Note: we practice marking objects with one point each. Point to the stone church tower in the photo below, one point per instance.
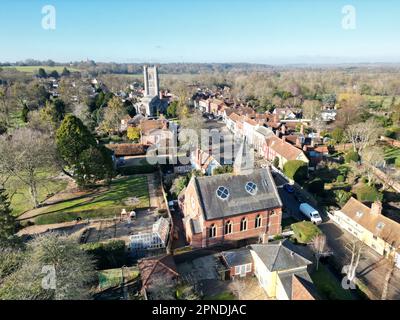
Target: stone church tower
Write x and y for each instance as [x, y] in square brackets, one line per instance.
[152, 104]
[151, 82]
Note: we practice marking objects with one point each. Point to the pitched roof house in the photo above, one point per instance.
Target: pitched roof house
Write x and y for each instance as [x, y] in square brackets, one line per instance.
[371, 227]
[204, 161]
[231, 207]
[279, 267]
[154, 269]
[284, 151]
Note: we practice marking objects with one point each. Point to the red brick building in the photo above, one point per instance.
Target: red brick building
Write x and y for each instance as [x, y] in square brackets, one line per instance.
[231, 207]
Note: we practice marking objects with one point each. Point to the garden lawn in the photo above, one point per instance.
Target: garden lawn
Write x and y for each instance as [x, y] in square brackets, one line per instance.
[328, 285]
[113, 277]
[391, 153]
[34, 69]
[105, 204]
[305, 231]
[21, 199]
[226, 295]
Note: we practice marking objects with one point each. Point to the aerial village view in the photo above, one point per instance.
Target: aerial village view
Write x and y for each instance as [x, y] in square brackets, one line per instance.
[192, 159]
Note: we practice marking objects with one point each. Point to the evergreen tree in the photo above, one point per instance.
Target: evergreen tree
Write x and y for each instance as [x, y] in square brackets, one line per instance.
[7, 221]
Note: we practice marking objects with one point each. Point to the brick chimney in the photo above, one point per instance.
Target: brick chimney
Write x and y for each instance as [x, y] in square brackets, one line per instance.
[284, 138]
[283, 129]
[376, 208]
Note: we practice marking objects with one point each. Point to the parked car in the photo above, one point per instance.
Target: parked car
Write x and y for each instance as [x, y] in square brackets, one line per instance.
[288, 187]
[310, 213]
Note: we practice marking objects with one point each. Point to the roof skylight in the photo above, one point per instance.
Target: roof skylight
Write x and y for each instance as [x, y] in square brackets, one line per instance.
[222, 192]
[251, 188]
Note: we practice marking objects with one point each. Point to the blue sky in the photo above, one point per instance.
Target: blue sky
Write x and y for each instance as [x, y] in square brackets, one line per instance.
[261, 31]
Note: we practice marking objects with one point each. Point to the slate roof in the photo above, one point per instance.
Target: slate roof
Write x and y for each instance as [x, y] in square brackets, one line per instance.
[288, 278]
[237, 257]
[278, 256]
[239, 200]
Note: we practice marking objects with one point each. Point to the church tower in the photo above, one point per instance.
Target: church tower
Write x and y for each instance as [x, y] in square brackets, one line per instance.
[151, 87]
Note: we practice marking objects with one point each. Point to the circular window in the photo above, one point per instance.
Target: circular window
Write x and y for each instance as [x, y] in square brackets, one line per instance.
[251, 188]
[222, 193]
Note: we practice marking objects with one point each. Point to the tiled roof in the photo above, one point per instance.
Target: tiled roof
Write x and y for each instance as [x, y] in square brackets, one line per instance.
[285, 149]
[156, 267]
[390, 230]
[127, 149]
[148, 125]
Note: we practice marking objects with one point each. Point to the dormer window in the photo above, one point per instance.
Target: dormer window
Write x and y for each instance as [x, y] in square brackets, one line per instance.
[359, 214]
[380, 225]
[251, 188]
[222, 193]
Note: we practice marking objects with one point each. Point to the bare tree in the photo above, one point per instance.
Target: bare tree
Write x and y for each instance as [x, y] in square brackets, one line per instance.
[24, 155]
[356, 248]
[320, 247]
[363, 134]
[161, 288]
[371, 157]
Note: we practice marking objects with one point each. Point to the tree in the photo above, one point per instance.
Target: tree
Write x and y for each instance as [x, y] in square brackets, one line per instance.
[276, 162]
[337, 135]
[54, 74]
[84, 160]
[320, 248]
[53, 112]
[172, 110]
[351, 156]
[341, 197]
[54, 268]
[24, 155]
[41, 73]
[372, 157]
[112, 116]
[363, 134]
[65, 72]
[356, 248]
[7, 220]
[222, 170]
[368, 193]
[133, 133]
[296, 170]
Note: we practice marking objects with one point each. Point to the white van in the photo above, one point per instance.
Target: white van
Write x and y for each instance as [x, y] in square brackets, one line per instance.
[310, 213]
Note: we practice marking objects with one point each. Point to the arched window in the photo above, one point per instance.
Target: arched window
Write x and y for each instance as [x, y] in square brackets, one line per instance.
[258, 221]
[212, 231]
[228, 227]
[243, 224]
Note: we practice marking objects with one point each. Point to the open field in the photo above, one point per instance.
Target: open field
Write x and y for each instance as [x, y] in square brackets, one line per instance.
[34, 69]
[101, 204]
[20, 196]
[328, 286]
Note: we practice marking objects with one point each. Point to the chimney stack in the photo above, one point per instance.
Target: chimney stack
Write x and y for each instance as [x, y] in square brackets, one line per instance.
[284, 138]
[376, 208]
[283, 129]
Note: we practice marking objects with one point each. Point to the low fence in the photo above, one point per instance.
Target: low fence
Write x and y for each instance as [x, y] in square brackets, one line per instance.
[392, 142]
